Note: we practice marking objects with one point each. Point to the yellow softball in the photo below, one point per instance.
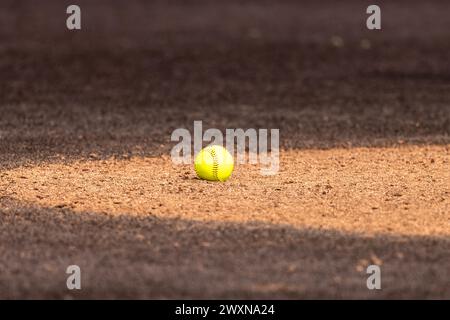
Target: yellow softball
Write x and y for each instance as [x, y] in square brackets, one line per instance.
[214, 163]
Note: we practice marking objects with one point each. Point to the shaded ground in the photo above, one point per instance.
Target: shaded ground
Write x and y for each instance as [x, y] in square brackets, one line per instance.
[85, 128]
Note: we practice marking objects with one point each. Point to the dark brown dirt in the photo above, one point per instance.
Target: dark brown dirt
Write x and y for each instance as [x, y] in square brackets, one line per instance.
[86, 177]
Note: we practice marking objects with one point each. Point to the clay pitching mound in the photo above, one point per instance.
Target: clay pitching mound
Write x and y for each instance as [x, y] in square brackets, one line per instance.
[85, 125]
[403, 191]
[144, 228]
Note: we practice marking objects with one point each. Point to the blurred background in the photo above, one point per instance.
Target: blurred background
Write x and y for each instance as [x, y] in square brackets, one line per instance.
[139, 69]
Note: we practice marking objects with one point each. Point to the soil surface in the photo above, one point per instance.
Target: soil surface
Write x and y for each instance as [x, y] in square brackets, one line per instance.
[86, 176]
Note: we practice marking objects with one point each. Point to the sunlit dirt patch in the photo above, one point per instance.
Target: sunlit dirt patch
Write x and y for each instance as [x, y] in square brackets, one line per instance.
[369, 190]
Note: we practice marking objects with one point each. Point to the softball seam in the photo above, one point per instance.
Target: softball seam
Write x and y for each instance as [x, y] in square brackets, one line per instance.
[215, 167]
